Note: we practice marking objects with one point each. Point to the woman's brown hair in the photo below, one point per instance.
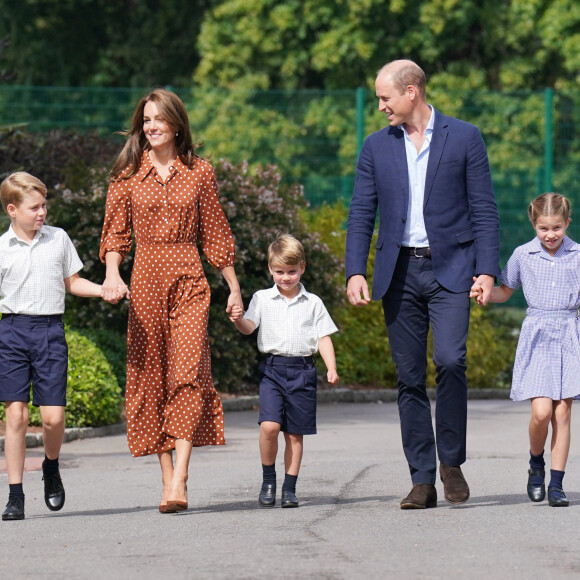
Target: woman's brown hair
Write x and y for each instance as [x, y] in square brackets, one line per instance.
[172, 110]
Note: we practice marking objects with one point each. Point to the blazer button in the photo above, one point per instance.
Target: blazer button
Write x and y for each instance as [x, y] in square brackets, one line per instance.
[403, 220]
[398, 245]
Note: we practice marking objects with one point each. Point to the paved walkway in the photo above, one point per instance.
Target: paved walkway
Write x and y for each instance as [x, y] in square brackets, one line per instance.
[349, 525]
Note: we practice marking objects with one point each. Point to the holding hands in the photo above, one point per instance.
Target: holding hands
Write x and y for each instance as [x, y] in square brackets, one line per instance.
[476, 292]
[483, 295]
[236, 312]
[482, 289]
[114, 289]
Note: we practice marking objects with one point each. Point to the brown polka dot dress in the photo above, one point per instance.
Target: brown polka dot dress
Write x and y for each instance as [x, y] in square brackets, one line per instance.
[170, 393]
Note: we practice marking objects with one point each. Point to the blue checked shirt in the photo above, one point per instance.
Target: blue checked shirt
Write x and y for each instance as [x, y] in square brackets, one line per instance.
[549, 283]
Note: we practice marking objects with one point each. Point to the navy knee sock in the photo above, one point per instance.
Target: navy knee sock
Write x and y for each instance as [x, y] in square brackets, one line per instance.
[537, 463]
[49, 466]
[556, 478]
[269, 473]
[16, 490]
[290, 483]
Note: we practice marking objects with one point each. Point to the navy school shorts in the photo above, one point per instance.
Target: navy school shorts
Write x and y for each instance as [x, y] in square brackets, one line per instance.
[33, 350]
[288, 393]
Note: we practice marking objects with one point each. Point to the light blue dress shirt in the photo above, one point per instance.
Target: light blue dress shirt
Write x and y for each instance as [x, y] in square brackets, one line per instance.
[415, 234]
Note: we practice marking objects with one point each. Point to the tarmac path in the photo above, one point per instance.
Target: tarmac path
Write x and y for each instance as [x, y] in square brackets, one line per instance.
[349, 524]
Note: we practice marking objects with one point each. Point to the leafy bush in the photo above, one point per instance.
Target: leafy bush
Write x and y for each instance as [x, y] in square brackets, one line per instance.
[113, 345]
[258, 206]
[93, 394]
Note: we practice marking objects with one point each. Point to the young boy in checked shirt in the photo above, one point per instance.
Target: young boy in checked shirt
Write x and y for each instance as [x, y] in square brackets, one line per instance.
[292, 326]
[38, 264]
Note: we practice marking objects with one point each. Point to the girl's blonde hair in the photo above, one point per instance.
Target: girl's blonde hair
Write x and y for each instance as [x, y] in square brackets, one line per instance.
[549, 204]
[18, 186]
[286, 250]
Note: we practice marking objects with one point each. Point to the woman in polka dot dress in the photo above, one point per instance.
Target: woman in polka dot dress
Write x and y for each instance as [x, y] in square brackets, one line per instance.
[166, 195]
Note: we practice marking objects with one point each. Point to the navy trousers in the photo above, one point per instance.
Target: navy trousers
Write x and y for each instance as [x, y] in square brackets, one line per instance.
[415, 301]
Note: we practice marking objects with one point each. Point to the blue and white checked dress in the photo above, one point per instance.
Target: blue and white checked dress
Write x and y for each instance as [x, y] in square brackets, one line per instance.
[548, 355]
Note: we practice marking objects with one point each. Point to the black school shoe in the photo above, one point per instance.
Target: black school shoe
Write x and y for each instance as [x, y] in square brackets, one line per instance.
[536, 492]
[289, 499]
[557, 497]
[267, 497]
[53, 491]
[14, 509]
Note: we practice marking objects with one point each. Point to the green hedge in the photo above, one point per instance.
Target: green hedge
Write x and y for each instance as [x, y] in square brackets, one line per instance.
[94, 397]
[258, 205]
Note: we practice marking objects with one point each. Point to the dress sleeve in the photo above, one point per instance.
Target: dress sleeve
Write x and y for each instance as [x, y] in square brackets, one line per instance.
[117, 229]
[215, 235]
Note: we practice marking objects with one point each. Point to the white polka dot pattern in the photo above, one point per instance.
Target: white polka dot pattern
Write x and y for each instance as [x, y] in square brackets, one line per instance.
[169, 393]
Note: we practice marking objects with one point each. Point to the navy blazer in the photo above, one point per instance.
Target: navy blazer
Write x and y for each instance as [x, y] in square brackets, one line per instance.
[459, 208]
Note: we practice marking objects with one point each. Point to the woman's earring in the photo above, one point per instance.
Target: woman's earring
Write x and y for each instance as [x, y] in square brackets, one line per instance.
[177, 133]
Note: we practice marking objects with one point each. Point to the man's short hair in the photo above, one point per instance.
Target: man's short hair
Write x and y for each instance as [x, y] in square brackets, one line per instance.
[404, 73]
[18, 186]
[286, 250]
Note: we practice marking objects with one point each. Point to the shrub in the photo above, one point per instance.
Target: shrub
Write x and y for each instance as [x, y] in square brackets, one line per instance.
[113, 345]
[93, 394]
[258, 206]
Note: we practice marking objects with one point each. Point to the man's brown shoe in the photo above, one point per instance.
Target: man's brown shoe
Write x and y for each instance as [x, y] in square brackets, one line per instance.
[423, 495]
[455, 487]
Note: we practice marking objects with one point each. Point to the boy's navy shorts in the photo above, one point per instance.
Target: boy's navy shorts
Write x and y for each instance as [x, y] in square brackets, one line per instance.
[33, 350]
[288, 393]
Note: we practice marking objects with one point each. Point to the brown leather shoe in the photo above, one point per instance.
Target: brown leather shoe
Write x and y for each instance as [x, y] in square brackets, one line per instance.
[455, 487]
[423, 495]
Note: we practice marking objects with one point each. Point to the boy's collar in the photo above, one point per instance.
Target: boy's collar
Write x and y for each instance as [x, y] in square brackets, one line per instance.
[14, 236]
[275, 292]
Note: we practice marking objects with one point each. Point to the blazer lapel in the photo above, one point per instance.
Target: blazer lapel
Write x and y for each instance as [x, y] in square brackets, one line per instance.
[438, 139]
[399, 156]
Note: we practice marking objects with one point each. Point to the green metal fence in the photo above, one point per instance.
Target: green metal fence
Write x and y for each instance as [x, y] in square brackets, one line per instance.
[314, 136]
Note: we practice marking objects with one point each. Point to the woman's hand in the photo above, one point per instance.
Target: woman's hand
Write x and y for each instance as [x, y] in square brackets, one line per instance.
[114, 288]
[235, 307]
[235, 297]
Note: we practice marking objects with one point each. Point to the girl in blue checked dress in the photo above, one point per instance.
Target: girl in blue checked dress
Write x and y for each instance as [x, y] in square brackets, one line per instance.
[547, 365]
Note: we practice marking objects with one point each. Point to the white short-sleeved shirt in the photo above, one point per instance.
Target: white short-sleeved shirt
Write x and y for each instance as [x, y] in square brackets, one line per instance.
[32, 274]
[289, 327]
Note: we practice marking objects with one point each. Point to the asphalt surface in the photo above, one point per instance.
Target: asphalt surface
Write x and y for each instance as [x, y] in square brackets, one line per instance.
[349, 524]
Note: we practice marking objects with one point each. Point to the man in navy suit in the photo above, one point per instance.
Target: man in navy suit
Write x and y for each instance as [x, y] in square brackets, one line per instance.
[428, 175]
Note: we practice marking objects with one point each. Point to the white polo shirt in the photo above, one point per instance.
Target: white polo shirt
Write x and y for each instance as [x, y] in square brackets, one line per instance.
[289, 327]
[32, 274]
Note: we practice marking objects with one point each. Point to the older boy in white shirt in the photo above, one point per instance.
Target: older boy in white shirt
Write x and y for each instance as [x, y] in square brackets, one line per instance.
[38, 264]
